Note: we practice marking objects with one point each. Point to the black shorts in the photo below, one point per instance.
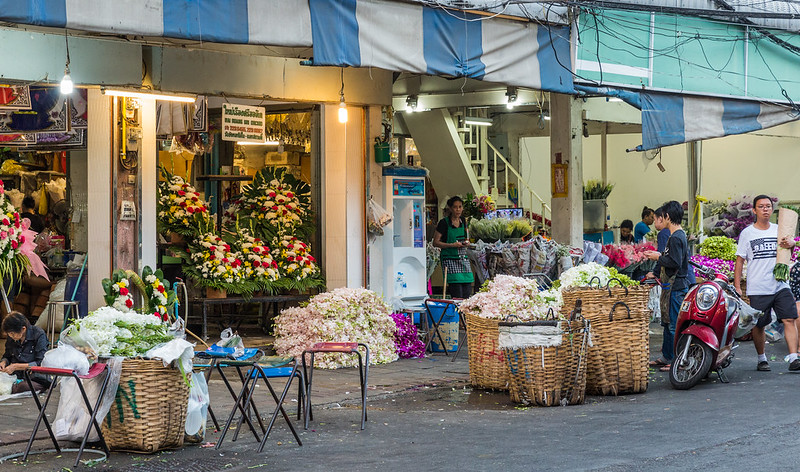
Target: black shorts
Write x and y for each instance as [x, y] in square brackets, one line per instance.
[782, 302]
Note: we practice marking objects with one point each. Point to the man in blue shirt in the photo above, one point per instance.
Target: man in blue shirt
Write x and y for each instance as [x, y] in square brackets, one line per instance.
[643, 227]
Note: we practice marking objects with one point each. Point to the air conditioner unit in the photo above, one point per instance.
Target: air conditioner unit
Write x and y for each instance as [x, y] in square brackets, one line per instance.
[286, 158]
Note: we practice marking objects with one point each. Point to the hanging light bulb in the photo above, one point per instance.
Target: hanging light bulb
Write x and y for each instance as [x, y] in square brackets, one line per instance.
[342, 110]
[66, 82]
[342, 105]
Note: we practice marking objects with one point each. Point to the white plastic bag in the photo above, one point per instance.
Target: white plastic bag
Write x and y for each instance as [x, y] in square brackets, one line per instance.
[6, 383]
[228, 339]
[72, 417]
[377, 218]
[66, 357]
[197, 409]
[83, 342]
[179, 349]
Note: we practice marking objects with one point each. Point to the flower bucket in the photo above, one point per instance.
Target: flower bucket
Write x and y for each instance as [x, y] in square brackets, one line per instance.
[175, 238]
[487, 362]
[216, 293]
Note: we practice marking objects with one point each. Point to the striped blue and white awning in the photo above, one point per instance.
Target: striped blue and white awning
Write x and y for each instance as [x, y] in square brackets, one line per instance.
[418, 39]
[669, 118]
[672, 119]
[257, 22]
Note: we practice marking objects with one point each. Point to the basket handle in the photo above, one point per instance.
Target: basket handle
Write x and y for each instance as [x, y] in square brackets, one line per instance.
[509, 317]
[599, 282]
[550, 314]
[614, 306]
[576, 311]
[608, 285]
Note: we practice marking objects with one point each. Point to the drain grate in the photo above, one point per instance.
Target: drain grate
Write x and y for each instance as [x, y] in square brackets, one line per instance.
[211, 464]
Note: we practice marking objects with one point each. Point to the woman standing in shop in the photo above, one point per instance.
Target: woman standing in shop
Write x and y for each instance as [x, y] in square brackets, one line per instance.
[452, 237]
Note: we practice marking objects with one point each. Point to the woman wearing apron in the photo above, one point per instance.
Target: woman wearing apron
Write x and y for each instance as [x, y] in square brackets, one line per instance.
[452, 237]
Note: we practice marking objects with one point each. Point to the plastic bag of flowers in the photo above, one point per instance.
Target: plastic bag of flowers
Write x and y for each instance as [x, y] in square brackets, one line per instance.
[341, 315]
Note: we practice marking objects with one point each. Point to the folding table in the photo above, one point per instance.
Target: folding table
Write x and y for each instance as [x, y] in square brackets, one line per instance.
[220, 358]
[433, 331]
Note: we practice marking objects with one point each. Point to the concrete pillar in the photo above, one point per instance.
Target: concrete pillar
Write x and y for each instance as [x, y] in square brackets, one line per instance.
[343, 190]
[99, 196]
[566, 135]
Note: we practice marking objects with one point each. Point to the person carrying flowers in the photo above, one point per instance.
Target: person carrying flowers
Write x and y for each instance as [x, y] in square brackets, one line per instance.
[451, 236]
[674, 264]
[758, 246]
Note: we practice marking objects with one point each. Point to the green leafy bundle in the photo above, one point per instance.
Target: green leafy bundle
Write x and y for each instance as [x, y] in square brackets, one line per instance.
[719, 247]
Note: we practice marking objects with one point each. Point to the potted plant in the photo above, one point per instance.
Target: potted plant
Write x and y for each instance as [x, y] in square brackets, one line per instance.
[595, 193]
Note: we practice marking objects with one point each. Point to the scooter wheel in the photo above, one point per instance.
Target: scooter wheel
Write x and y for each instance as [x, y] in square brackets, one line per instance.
[687, 371]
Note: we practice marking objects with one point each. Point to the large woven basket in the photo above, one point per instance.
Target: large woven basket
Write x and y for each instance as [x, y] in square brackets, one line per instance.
[552, 375]
[149, 411]
[487, 363]
[618, 360]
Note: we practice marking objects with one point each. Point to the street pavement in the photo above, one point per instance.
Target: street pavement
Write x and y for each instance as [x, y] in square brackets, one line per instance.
[424, 415]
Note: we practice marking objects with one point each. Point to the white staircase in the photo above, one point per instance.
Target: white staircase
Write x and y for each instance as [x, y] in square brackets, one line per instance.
[461, 159]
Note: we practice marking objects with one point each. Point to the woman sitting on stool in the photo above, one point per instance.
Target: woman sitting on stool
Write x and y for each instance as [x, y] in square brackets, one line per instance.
[25, 347]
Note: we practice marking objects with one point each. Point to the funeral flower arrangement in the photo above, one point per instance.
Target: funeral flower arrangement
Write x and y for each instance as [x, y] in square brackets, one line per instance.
[297, 266]
[258, 263]
[215, 264]
[111, 332]
[159, 299]
[180, 207]
[341, 315]
[118, 291]
[275, 203]
[507, 295]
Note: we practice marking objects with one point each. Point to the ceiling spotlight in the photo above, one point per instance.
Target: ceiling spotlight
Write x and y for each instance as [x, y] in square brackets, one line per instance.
[412, 103]
[511, 97]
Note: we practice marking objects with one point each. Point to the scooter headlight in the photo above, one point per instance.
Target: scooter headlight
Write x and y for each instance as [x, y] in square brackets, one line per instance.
[706, 297]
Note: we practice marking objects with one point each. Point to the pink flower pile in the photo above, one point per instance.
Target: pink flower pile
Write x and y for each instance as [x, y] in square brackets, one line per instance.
[341, 315]
[507, 295]
[623, 255]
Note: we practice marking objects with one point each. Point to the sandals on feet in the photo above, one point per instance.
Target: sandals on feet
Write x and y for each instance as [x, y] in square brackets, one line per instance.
[658, 362]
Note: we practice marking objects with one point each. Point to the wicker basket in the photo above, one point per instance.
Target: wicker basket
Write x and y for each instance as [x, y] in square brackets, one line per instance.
[149, 412]
[618, 360]
[487, 363]
[550, 375]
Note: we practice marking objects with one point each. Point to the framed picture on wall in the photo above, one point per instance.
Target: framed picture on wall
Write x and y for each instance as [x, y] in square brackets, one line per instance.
[560, 184]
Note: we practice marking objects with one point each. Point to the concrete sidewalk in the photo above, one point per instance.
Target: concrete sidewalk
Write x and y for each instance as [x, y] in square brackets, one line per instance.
[331, 389]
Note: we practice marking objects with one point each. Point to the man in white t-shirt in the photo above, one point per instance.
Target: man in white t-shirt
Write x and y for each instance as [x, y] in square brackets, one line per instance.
[758, 246]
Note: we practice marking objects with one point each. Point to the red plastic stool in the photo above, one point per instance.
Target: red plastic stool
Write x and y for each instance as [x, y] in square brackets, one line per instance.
[363, 371]
[96, 369]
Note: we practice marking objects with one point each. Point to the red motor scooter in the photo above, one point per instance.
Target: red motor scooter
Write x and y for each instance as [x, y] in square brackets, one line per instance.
[712, 315]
